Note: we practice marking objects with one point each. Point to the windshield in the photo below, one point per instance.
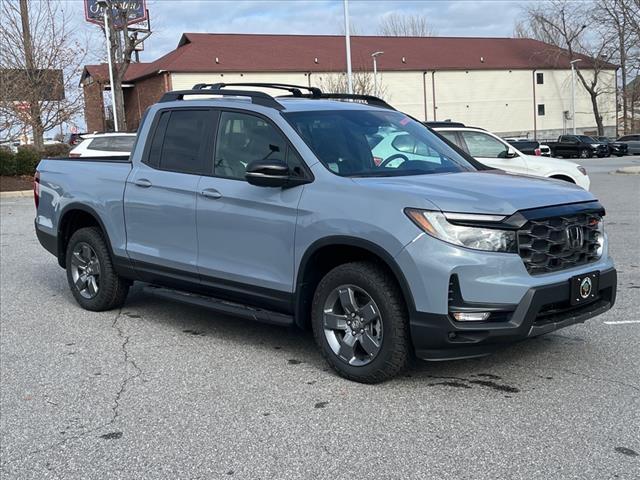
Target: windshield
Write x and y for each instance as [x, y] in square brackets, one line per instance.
[360, 143]
[587, 139]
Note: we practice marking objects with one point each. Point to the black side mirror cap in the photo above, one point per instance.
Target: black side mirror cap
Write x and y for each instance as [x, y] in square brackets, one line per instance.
[267, 173]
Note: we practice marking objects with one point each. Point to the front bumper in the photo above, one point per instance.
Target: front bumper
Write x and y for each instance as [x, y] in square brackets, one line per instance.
[543, 309]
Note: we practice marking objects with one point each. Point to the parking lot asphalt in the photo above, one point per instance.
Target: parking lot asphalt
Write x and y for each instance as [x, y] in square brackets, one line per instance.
[164, 390]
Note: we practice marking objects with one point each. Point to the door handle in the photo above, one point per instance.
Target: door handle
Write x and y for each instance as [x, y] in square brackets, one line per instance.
[211, 193]
[142, 182]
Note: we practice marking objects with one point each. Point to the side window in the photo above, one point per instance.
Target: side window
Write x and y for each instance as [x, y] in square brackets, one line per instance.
[155, 149]
[185, 141]
[244, 138]
[484, 146]
[452, 137]
[295, 162]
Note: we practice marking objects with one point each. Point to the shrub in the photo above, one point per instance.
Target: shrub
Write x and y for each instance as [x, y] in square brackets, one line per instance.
[56, 150]
[27, 160]
[7, 162]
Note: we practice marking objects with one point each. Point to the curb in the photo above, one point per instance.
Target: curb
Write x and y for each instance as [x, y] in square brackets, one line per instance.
[16, 194]
[635, 170]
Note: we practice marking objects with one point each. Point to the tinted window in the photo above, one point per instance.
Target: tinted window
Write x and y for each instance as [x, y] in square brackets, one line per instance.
[155, 149]
[361, 143]
[482, 145]
[451, 136]
[242, 139]
[185, 141]
[113, 143]
[587, 139]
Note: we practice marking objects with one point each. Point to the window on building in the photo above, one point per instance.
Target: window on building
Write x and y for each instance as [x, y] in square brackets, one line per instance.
[540, 78]
[185, 141]
[541, 109]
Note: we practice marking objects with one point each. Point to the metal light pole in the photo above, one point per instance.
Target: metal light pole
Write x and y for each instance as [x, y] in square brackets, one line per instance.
[375, 55]
[107, 31]
[348, 45]
[573, 92]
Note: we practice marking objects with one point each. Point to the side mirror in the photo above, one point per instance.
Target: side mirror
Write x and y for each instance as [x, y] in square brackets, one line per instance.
[509, 153]
[267, 173]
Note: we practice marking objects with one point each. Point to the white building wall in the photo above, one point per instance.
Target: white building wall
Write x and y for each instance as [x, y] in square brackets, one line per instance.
[501, 101]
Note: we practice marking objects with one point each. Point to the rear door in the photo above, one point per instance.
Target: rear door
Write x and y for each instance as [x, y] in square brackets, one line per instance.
[160, 194]
[246, 233]
[492, 152]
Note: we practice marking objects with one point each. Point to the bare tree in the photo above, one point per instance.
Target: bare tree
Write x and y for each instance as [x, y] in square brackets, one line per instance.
[620, 16]
[564, 27]
[123, 44]
[38, 41]
[397, 25]
[363, 83]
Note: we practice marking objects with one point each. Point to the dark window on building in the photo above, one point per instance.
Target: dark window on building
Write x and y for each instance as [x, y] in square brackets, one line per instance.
[185, 141]
[541, 109]
[539, 78]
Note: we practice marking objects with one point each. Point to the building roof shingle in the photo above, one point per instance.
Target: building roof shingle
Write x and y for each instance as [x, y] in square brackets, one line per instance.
[218, 52]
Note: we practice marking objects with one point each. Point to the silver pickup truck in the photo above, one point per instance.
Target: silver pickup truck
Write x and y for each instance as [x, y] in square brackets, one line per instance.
[286, 210]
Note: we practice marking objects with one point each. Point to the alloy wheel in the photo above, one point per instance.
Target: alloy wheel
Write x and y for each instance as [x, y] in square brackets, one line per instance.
[352, 325]
[85, 270]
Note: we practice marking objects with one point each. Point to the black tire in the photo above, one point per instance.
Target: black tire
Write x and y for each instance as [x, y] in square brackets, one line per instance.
[584, 153]
[395, 351]
[113, 289]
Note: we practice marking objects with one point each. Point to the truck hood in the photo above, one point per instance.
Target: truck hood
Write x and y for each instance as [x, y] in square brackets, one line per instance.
[490, 191]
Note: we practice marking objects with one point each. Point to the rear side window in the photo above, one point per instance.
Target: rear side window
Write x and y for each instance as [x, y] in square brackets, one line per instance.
[481, 145]
[181, 140]
[451, 136]
[113, 143]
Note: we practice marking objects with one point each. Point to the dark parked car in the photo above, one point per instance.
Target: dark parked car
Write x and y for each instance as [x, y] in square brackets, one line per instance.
[615, 148]
[529, 147]
[633, 143]
[581, 146]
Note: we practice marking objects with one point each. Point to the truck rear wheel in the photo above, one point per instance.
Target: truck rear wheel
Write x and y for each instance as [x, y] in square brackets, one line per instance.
[584, 153]
[360, 322]
[93, 281]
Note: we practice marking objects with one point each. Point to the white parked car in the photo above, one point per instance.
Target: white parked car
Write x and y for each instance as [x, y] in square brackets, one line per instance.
[493, 151]
[104, 145]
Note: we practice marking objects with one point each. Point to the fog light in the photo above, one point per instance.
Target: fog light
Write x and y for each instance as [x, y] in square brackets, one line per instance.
[471, 316]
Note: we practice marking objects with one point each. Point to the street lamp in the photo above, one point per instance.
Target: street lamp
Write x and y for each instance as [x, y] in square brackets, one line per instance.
[375, 56]
[107, 31]
[347, 38]
[573, 92]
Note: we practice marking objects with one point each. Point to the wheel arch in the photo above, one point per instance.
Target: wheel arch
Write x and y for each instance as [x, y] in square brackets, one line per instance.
[73, 217]
[562, 176]
[325, 254]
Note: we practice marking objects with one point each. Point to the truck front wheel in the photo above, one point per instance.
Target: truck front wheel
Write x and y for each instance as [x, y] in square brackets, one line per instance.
[585, 153]
[93, 281]
[360, 322]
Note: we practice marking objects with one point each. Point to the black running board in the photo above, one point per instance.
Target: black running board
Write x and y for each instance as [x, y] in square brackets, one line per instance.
[223, 306]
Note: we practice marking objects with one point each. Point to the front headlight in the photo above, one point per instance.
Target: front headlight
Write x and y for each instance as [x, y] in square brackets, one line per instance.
[483, 237]
[601, 234]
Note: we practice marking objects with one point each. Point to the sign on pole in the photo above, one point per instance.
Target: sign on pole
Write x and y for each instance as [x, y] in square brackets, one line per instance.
[136, 12]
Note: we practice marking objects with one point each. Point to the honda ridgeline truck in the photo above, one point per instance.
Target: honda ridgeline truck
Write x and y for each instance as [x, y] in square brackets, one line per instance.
[275, 208]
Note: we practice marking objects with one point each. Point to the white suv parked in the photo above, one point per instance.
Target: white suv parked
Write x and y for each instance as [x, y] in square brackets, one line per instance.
[493, 151]
[104, 145]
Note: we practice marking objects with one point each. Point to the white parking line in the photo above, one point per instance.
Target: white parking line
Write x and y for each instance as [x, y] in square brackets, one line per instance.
[622, 322]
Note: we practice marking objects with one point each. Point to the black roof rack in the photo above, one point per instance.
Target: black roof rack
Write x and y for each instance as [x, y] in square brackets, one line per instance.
[443, 124]
[295, 90]
[259, 98]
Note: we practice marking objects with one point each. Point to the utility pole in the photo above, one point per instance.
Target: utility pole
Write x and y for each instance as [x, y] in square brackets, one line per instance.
[347, 38]
[34, 106]
[107, 31]
[573, 92]
[375, 55]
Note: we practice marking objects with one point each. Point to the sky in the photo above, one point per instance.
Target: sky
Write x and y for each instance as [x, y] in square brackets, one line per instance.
[170, 18]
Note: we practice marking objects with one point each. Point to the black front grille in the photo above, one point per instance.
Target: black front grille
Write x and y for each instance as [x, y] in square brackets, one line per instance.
[544, 244]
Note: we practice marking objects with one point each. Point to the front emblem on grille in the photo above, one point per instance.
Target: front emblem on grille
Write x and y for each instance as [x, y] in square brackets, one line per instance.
[575, 237]
[585, 287]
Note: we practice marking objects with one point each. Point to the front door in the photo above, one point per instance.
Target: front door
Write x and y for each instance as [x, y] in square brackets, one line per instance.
[492, 152]
[160, 195]
[246, 233]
